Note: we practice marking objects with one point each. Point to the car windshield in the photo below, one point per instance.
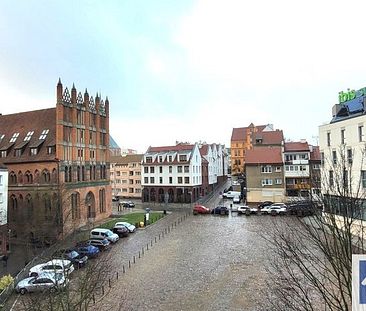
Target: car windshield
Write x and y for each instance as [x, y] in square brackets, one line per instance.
[105, 242]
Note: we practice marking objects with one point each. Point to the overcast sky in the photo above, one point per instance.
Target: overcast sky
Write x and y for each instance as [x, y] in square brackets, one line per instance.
[186, 70]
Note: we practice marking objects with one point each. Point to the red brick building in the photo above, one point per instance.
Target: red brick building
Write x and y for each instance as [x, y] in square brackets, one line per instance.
[58, 164]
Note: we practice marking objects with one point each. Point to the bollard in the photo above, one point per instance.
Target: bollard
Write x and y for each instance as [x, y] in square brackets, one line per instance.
[142, 250]
[134, 259]
[159, 236]
[123, 269]
[93, 298]
[129, 264]
[155, 239]
[103, 290]
[147, 246]
[139, 255]
[151, 243]
[109, 283]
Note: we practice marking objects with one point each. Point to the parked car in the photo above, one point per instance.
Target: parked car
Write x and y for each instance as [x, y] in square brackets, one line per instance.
[131, 228]
[103, 245]
[63, 266]
[87, 250]
[44, 281]
[220, 210]
[200, 209]
[231, 194]
[128, 204]
[264, 204]
[302, 209]
[275, 209]
[102, 233]
[236, 199]
[122, 231]
[77, 260]
[244, 209]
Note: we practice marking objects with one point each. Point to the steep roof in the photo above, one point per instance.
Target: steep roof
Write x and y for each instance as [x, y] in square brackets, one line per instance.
[25, 123]
[129, 158]
[266, 155]
[179, 147]
[296, 146]
[240, 133]
[315, 153]
[204, 150]
[269, 137]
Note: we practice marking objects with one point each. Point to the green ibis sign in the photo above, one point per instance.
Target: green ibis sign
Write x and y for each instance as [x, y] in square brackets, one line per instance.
[351, 94]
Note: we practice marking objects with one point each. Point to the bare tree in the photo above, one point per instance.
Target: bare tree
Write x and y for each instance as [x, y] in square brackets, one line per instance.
[312, 262]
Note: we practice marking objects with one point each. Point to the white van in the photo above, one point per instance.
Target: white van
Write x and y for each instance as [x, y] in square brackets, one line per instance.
[101, 233]
[231, 194]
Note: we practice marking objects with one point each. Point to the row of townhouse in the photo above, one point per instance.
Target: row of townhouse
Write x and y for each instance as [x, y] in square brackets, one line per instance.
[55, 164]
[182, 173]
[343, 150]
[281, 173]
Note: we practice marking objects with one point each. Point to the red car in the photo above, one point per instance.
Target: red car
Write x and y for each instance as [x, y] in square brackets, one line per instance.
[200, 209]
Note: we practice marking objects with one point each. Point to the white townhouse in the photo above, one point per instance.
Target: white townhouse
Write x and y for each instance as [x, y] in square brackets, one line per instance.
[172, 174]
[342, 145]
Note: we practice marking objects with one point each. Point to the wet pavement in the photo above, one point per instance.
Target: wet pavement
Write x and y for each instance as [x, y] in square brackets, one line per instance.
[205, 262]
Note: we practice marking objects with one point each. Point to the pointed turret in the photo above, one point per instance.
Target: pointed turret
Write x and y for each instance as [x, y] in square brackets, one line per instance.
[59, 91]
[73, 94]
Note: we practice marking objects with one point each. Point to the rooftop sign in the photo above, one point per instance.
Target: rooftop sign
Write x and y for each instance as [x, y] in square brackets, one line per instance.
[351, 94]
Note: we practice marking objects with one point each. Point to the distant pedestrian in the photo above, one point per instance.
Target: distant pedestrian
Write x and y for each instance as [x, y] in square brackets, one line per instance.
[5, 261]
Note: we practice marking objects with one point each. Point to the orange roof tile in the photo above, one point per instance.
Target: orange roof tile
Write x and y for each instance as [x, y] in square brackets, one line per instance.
[265, 155]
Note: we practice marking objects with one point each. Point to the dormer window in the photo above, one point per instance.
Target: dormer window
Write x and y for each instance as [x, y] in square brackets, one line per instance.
[183, 157]
[18, 152]
[33, 151]
[3, 153]
[28, 136]
[160, 159]
[44, 134]
[170, 158]
[14, 137]
[148, 159]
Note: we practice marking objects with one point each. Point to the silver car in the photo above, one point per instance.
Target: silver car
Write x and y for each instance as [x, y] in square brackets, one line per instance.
[44, 281]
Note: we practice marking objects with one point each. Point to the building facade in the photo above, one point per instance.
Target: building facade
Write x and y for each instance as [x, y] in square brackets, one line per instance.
[58, 164]
[342, 145]
[4, 233]
[265, 175]
[172, 174]
[126, 176]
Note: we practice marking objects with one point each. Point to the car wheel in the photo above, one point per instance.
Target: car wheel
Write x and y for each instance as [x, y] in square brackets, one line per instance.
[22, 291]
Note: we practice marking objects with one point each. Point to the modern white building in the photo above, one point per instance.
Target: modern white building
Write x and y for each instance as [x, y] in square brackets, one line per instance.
[171, 174]
[342, 145]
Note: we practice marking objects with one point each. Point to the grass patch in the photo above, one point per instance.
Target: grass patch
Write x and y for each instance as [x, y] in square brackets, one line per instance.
[132, 218]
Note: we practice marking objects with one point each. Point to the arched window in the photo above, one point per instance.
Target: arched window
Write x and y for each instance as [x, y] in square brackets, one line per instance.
[29, 205]
[66, 177]
[47, 207]
[83, 173]
[78, 173]
[46, 176]
[28, 177]
[20, 177]
[12, 178]
[54, 176]
[36, 176]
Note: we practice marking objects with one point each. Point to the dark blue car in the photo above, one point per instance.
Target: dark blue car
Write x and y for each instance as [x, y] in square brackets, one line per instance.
[88, 250]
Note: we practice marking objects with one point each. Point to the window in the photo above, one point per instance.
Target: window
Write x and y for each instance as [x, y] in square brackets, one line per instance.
[180, 180]
[28, 136]
[278, 168]
[160, 159]
[186, 180]
[278, 181]
[130, 173]
[3, 153]
[349, 156]
[18, 152]
[170, 169]
[186, 169]
[182, 157]
[360, 133]
[170, 158]
[146, 180]
[146, 170]
[342, 136]
[328, 139]
[160, 180]
[331, 178]
[363, 179]
[131, 181]
[302, 168]
[179, 169]
[334, 156]
[322, 158]
[170, 180]
[152, 169]
[14, 137]
[33, 151]
[266, 182]
[51, 149]
[266, 169]
[160, 169]
[44, 134]
[148, 159]
[316, 166]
